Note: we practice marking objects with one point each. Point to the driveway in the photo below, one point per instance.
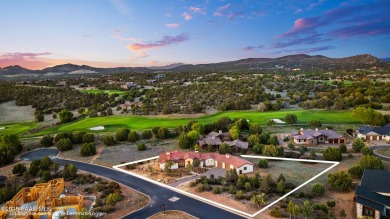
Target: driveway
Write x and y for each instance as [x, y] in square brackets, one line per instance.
[379, 147]
[215, 171]
[158, 195]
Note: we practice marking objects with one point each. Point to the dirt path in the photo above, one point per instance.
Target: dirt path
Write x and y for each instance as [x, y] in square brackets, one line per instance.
[99, 152]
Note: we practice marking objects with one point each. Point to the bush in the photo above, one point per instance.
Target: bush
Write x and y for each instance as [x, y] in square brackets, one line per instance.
[141, 147]
[216, 190]
[133, 136]
[332, 154]
[371, 162]
[88, 138]
[263, 163]
[257, 148]
[46, 176]
[87, 149]
[239, 194]
[47, 141]
[113, 198]
[65, 116]
[62, 135]
[356, 171]
[108, 140]
[225, 149]
[19, 169]
[317, 189]
[147, 134]
[357, 145]
[343, 148]
[163, 133]
[275, 212]
[340, 181]
[121, 134]
[270, 151]
[366, 150]
[69, 172]
[291, 146]
[290, 119]
[64, 144]
[77, 137]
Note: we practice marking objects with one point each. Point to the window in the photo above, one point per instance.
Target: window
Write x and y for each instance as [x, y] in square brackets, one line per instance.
[244, 168]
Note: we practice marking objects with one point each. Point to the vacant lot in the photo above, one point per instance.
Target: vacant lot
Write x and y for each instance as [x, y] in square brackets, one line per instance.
[10, 113]
[113, 123]
[172, 215]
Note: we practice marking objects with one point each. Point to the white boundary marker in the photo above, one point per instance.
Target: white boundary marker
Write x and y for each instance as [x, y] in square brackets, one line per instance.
[233, 210]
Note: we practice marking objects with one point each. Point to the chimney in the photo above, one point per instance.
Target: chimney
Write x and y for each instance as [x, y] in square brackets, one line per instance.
[220, 132]
[326, 128]
[212, 137]
[227, 155]
[167, 153]
[301, 129]
[316, 129]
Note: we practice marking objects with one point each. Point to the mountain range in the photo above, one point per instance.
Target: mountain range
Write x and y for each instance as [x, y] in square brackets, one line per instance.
[301, 61]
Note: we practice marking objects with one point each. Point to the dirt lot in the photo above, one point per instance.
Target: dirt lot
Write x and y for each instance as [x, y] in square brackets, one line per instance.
[10, 113]
[127, 152]
[172, 215]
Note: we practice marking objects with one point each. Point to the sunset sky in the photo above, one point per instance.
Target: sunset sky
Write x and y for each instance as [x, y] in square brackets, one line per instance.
[109, 33]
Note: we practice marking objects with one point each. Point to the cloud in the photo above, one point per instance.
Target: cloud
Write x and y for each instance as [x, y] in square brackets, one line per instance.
[259, 13]
[27, 60]
[221, 10]
[302, 26]
[298, 11]
[372, 28]
[138, 57]
[117, 34]
[310, 39]
[305, 51]
[197, 10]
[165, 41]
[187, 16]
[248, 48]
[172, 25]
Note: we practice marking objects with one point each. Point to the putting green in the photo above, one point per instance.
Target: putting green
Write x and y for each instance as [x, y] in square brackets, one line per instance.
[16, 128]
[113, 123]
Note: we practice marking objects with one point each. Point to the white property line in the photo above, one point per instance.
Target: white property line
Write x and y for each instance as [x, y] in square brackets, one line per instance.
[233, 210]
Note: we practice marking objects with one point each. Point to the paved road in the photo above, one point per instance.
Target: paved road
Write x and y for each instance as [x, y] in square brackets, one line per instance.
[158, 195]
[378, 147]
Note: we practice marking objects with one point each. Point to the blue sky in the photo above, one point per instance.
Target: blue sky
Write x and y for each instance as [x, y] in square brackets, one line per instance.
[108, 33]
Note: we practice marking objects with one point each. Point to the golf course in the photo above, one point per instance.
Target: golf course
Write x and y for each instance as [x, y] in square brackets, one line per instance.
[112, 123]
[17, 128]
[109, 92]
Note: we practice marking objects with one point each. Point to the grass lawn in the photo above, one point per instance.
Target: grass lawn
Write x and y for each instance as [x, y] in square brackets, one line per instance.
[16, 128]
[109, 92]
[113, 123]
[346, 82]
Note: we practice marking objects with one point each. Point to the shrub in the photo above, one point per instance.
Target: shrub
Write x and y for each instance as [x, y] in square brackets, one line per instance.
[200, 188]
[64, 144]
[239, 194]
[77, 137]
[357, 145]
[317, 189]
[46, 176]
[65, 116]
[270, 151]
[343, 148]
[290, 119]
[141, 147]
[340, 181]
[19, 169]
[69, 172]
[275, 212]
[263, 163]
[356, 171]
[47, 141]
[87, 149]
[371, 162]
[147, 134]
[108, 140]
[113, 198]
[88, 138]
[342, 213]
[257, 148]
[121, 134]
[62, 135]
[163, 133]
[332, 154]
[133, 136]
[366, 150]
[225, 149]
[291, 146]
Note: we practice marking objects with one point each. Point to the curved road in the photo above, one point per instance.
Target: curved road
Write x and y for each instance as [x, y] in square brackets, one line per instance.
[379, 147]
[158, 195]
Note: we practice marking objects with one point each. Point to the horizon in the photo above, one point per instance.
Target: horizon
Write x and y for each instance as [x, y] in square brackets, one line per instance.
[187, 63]
[117, 33]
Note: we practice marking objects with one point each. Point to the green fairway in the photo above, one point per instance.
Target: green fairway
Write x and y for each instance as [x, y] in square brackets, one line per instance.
[113, 123]
[16, 128]
[109, 92]
[346, 82]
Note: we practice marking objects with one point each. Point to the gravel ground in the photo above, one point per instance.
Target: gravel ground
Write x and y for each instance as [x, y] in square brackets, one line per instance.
[127, 152]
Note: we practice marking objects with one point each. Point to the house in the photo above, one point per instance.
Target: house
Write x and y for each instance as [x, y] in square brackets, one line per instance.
[225, 136]
[159, 76]
[372, 195]
[238, 145]
[314, 137]
[182, 159]
[130, 85]
[213, 141]
[374, 133]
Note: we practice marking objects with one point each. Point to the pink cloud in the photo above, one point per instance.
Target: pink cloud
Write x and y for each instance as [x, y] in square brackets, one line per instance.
[303, 25]
[166, 41]
[27, 60]
[197, 10]
[118, 35]
[221, 10]
[187, 16]
[172, 25]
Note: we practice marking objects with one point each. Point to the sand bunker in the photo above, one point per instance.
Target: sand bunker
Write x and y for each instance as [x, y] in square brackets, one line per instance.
[278, 121]
[97, 128]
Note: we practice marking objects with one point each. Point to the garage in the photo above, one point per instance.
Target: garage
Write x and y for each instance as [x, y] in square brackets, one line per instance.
[342, 141]
[219, 164]
[336, 141]
[227, 166]
[330, 141]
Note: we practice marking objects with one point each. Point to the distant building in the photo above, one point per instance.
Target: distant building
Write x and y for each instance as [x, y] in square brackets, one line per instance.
[159, 76]
[130, 85]
[374, 133]
[372, 195]
[182, 159]
[314, 137]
